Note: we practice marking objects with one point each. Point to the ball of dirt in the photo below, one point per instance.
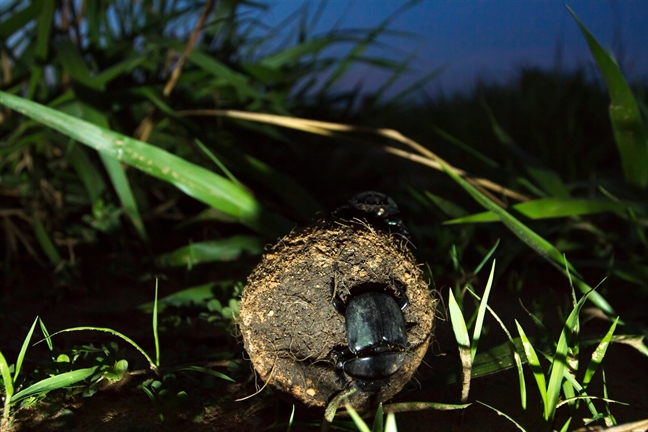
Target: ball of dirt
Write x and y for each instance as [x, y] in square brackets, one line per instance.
[291, 329]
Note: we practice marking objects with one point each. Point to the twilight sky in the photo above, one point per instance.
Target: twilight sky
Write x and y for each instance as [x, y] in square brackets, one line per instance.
[488, 39]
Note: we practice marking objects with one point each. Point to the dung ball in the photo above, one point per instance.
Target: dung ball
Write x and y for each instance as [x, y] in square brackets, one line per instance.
[292, 330]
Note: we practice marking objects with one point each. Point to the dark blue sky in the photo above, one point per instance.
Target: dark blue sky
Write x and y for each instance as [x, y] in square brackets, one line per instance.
[490, 39]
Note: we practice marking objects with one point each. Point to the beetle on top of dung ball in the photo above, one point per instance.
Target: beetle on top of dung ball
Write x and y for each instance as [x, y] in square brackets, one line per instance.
[377, 209]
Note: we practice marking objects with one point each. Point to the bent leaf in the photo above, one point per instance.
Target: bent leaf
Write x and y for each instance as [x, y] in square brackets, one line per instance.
[629, 130]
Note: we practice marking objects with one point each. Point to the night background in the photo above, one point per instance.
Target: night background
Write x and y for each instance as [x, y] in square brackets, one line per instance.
[165, 147]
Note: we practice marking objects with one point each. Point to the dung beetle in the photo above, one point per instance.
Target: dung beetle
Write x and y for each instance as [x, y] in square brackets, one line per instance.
[376, 335]
[376, 208]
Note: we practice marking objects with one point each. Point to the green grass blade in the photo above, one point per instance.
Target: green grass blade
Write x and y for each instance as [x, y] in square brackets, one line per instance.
[124, 191]
[465, 147]
[208, 372]
[209, 251]
[378, 425]
[448, 207]
[54, 383]
[219, 70]
[155, 326]
[23, 350]
[536, 368]
[86, 170]
[629, 129]
[559, 362]
[479, 322]
[194, 180]
[547, 208]
[598, 354]
[68, 54]
[463, 343]
[18, 20]
[113, 332]
[194, 295]
[44, 26]
[7, 381]
[360, 424]
[509, 418]
[390, 424]
[218, 163]
[46, 242]
[486, 258]
[546, 178]
[48, 340]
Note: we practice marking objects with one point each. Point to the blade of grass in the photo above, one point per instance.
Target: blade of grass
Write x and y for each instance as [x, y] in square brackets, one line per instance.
[422, 406]
[208, 372]
[54, 383]
[46, 334]
[629, 129]
[559, 362]
[229, 249]
[194, 180]
[534, 365]
[598, 354]
[7, 381]
[23, 350]
[509, 418]
[44, 26]
[480, 315]
[378, 425]
[546, 208]
[463, 343]
[360, 424]
[46, 242]
[155, 326]
[545, 177]
[86, 170]
[152, 364]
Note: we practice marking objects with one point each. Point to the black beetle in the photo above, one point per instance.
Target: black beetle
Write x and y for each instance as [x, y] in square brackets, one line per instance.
[376, 208]
[376, 336]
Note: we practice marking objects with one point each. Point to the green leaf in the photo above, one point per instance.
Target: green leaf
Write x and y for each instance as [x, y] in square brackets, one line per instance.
[629, 128]
[546, 208]
[545, 177]
[463, 342]
[86, 170]
[46, 242]
[23, 350]
[192, 179]
[480, 315]
[194, 295]
[598, 354]
[559, 362]
[54, 383]
[18, 20]
[209, 251]
[208, 372]
[5, 372]
[44, 26]
[536, 367]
